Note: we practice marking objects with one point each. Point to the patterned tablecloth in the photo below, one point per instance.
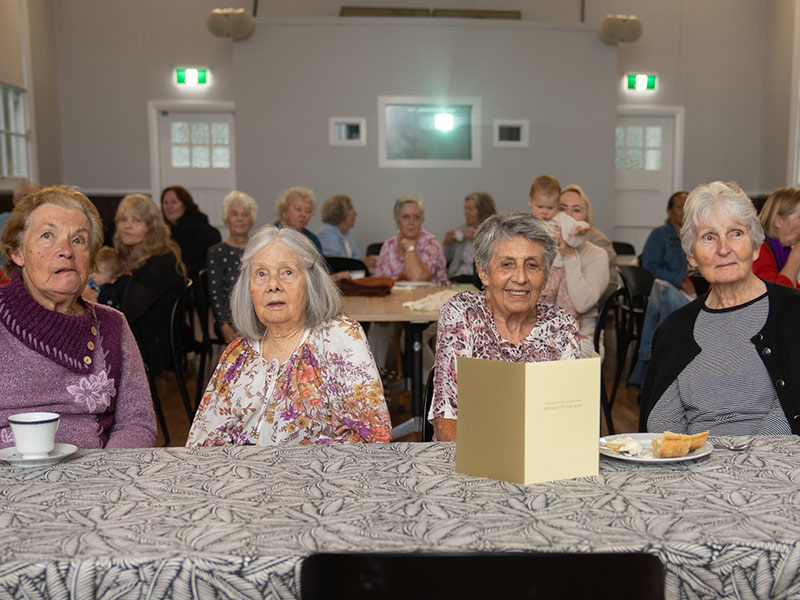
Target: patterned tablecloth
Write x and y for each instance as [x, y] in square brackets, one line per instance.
[237, 521]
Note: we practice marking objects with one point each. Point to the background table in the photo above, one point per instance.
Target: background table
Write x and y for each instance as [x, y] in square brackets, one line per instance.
[237, 521]
[390, 309]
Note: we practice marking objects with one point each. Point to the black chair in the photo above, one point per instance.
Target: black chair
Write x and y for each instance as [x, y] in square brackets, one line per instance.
[159, 410]
[177, 322]
[624, 248]
[200, 297]
[337, 264]
[638, 282]
[427, 427]
[374, 249]
[615, 296]
[433, 576]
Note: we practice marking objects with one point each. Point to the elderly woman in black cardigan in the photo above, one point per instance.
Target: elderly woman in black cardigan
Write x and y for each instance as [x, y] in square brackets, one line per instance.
[727, 362]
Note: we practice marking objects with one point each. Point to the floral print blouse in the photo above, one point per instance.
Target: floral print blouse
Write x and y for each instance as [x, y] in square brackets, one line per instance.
[430, 252]
[327, 391]
[466, 328]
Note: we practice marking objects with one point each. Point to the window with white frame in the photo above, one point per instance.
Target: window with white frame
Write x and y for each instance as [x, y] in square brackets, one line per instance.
[14, 134]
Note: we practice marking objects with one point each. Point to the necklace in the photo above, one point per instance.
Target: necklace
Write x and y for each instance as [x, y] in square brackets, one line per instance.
[297, 336]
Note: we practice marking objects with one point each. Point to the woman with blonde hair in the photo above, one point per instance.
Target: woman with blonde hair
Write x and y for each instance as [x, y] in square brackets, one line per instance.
[779, 256]
[295, 207]
[575, 203]
[154, 276]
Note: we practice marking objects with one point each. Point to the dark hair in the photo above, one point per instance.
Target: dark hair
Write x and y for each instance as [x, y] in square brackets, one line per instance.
[671, 201]
[183, 195]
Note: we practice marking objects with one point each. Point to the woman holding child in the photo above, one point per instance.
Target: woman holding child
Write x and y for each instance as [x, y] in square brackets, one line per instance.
[61, 353]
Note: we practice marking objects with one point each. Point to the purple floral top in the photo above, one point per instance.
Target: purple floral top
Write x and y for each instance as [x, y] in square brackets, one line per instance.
[430, 252]
[466, 328]
[327, 391]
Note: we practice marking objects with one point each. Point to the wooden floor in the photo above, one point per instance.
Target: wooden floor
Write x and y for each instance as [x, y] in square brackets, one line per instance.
[625, 412]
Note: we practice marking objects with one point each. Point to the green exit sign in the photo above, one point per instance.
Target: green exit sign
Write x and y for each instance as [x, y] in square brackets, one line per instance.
[191, 76]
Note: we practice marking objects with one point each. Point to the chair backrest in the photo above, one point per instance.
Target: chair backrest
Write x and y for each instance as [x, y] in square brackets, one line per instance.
[337, 264]
[624, 248]
[200, 299]
[428, 575]
[427, 428]
[374, 248]
[614, 296]
[638, 281]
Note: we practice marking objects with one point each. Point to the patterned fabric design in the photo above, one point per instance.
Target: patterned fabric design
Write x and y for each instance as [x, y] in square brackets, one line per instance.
[466, 328]
[236, 522]
[328, 391]
[430, 252]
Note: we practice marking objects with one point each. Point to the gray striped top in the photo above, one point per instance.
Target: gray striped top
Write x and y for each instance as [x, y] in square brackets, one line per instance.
[725, 388]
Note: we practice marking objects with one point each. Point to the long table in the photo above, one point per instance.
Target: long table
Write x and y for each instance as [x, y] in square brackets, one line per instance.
[237, 521]
[390, 309]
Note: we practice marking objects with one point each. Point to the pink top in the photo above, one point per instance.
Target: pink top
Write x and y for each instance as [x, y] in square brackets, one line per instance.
[466, 328]
[429, 250]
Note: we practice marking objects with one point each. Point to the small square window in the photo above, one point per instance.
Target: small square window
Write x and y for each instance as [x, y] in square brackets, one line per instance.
[347, 131]
[510, 133]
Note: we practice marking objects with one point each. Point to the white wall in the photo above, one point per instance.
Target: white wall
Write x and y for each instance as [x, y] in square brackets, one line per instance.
[519, 70]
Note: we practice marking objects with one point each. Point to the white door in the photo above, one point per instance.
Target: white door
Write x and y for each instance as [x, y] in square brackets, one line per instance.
[645, 157]
[196, 150]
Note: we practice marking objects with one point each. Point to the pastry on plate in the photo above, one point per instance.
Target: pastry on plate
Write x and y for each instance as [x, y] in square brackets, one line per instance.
[675, 445]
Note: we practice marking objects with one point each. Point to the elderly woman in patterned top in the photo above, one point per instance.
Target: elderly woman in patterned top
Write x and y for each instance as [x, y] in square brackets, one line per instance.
[61, 353]
[239, 212]
[726, 362]
[513, 255]
[303, 372]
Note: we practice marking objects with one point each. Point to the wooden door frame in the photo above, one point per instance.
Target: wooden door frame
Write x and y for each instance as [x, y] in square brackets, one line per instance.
[156, 106]
[676, 112]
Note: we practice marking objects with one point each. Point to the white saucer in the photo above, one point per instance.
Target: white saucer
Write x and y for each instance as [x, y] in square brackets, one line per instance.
[57, 454]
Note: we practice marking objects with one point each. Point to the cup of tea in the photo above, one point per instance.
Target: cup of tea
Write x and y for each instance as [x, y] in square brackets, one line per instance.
[34, 433]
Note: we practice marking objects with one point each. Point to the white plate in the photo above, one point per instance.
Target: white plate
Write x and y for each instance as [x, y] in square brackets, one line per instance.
[57, 454]
[645, 440]
[405, 284]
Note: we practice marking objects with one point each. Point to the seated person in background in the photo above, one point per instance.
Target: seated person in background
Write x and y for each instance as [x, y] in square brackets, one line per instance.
[458, 249]
[22, 190]
[303, 373]
[506, 321]
[726, 362]
[295, 207]
[154, 276]
[662, 254]
[413, 252]
[779, 256]
[189, 228]
[575, 203]
[60, 353]
[338, 218]
[579, 274]
[108, 267]
[239, 213]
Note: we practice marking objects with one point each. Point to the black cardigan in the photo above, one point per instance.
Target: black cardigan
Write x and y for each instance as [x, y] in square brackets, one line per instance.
[777, 344]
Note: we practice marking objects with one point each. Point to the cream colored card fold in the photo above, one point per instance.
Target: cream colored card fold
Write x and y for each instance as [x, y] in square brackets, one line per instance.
[528, 422]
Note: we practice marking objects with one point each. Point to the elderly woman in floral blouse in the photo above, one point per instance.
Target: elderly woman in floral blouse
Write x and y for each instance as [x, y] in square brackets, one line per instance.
[513, 255]
[303, 372]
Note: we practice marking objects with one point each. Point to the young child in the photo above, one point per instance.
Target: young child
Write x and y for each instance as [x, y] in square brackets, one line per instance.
[108, 268]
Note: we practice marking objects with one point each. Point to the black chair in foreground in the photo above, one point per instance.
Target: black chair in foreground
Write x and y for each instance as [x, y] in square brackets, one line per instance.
[615, 296]
[624, 248]
[434, 576]
[374, 249]
[177, 321]
[427, 427]
[200, 297]
[638, 282]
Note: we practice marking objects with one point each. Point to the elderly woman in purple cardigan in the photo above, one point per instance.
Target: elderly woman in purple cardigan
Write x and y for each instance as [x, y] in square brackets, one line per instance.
[60, 353]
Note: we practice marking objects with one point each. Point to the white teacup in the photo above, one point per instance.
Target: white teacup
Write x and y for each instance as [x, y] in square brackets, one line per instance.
[358, 274]
[34, 433]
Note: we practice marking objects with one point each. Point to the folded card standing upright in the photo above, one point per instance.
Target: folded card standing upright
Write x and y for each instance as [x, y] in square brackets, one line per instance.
[528, 422]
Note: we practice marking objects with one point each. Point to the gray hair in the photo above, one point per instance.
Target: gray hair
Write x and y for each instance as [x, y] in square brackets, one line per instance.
[323, 299]
[246, 200]
[506, 226]
[410, 199]
[717, 195]
[302, 194]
